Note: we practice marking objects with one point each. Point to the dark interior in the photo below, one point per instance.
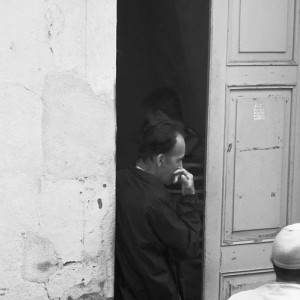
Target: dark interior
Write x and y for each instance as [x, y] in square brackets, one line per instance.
[159, 44]
[163, 43]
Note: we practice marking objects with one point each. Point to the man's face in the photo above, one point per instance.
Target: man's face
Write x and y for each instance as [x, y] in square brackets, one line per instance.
[172, 161]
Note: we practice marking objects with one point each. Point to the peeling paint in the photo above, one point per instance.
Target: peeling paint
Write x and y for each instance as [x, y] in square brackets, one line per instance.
[45, 266]
[56, 20]
[99, 203]
[261, 149]
[91, 296]
[229, 147]
[39, 258]
[71, 263]
[92, 290]
[12, 46]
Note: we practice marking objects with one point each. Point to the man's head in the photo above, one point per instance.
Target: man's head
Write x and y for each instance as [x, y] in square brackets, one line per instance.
[162, 148]
[286, 254]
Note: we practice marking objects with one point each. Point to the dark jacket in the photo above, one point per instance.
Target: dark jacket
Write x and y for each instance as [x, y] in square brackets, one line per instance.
[152, 234]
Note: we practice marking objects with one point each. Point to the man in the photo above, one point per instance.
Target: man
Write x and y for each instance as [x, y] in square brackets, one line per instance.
[286, 263]
[164, 103]
[152, 232]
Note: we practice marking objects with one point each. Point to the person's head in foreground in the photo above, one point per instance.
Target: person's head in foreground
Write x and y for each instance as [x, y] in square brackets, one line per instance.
[286, 254]
[286, 262]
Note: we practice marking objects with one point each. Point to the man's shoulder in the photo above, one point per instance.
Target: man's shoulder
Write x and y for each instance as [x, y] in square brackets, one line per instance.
[124, 173]
[287, 290]
[252, 294]
[245, 295]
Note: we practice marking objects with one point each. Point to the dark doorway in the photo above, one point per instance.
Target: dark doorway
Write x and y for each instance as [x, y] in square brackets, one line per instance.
[164, 43]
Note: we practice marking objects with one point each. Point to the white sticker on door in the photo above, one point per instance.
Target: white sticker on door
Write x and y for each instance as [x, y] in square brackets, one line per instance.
[259, 112]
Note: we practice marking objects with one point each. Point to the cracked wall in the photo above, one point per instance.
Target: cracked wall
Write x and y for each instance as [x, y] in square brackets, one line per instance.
[57, 149]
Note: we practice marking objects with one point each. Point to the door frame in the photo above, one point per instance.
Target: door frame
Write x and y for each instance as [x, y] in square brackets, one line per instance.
[214, 145]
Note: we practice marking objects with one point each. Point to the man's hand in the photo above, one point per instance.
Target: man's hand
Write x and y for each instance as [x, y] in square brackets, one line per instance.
[186, 179]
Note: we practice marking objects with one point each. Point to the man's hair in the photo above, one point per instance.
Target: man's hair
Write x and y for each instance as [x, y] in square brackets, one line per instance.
[287, 275]
[158, 136]
[163, 100]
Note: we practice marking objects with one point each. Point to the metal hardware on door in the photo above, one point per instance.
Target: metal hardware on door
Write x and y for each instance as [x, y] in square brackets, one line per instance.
[229, 147]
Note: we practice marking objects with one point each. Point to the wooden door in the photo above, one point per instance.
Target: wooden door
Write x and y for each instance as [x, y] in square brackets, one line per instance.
[253, 140]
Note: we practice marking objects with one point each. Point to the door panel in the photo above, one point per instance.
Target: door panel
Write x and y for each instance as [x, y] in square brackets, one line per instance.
[261, 31]
[258, 130]
[252, 142]
[257, 34]
[233, 283]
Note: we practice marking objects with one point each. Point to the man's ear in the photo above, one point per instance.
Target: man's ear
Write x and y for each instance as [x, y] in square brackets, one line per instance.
[160, 160]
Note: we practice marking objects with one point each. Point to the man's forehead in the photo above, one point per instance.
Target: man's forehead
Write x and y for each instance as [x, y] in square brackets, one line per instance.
[179, 148]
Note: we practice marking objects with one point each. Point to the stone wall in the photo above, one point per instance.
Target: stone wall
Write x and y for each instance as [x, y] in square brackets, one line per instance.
[57, 149]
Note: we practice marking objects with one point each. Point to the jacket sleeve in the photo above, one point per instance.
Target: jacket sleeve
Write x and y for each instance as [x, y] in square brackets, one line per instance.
[178, 231]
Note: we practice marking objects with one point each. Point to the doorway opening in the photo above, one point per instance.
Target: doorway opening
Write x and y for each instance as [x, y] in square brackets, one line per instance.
[164, 44]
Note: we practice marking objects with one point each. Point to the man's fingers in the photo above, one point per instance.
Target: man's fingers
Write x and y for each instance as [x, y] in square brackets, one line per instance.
[178, 171]
[182, 172]
[183, 178]
[182, 175]
[175, 179]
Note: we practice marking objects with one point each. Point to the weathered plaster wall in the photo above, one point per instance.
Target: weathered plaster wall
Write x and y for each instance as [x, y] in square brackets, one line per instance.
[57, 149]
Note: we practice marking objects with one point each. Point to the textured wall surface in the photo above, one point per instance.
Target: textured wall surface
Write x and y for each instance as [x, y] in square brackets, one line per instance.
[57, 149]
